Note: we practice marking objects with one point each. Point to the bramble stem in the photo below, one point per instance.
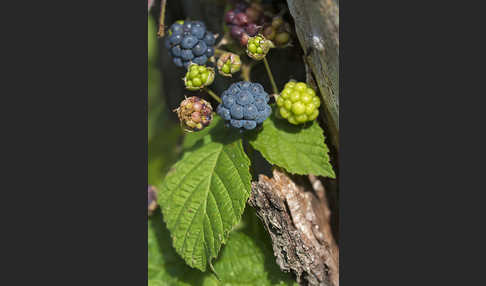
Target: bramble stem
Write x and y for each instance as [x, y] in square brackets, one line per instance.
[269, 72]
[245, 72]
[160, 33]
[213, 95]
[218, 52]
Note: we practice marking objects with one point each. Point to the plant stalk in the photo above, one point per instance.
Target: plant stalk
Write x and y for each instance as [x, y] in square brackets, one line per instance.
[160, 33]
[269, 72]
[213, 95]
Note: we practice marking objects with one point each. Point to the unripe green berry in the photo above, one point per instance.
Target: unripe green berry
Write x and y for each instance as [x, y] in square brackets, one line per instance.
[282, 38]
[198, 77]
[298, 103]
[228, 64]
[258, 47]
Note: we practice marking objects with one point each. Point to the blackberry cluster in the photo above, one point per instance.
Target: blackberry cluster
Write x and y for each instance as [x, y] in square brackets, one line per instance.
[298, 103]
[189, 41]
[247, 20]
[245, 105]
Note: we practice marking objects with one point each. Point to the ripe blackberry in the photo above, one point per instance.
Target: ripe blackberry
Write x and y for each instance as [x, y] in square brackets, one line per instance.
[298, 103]
[244, 105]
[189, 42]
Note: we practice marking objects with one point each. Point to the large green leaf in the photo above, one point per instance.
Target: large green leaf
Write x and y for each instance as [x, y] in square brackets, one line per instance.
[246, 259]
[204, 195]
[299, 149]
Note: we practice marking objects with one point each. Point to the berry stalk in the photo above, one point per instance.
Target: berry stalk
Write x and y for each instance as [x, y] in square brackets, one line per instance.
[270, 75]
[160, 33]
[218, 51]
[213, 95]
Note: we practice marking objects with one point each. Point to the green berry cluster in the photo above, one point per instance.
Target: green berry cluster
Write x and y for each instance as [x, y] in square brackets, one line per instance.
[198, 77]
[298, 103]
[228, 64]
[258, 47]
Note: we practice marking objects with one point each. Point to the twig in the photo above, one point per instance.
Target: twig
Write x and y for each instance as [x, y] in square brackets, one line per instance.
[160, 33]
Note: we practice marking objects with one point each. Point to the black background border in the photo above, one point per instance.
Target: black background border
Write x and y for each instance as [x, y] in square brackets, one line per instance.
[75, 208]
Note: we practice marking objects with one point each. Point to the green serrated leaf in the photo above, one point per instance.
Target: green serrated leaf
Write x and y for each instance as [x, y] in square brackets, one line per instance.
[204, 195]
[299, 149]
[246, 259]
[193, 140]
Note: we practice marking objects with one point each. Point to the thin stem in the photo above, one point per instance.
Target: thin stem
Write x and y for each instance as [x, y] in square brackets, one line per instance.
[218, 51]
[213, 95]
[160, 33]
[245, 72]
[269, 72]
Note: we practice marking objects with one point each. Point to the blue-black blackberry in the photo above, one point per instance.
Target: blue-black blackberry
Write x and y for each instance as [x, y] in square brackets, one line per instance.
[244, 105]
[189, 41]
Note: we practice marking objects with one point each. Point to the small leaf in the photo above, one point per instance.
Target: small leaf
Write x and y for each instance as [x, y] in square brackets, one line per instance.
[204, 195]
[299, 149]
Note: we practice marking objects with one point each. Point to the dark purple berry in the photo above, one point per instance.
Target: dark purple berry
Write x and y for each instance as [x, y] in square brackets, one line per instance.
[241, 19]
[244, 39]
[236, 32]
[229, 17]
[252, 29]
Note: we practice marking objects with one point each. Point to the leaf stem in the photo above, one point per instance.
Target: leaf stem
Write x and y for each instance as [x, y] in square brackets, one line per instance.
[213, 95]
[269, 72]
[160, 33]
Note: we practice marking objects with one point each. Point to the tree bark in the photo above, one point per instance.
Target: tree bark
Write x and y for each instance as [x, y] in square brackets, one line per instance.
[317, 27]
[298, 223]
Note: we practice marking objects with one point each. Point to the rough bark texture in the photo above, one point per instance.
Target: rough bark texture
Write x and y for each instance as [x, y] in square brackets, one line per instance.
[317, 27]
[298, 224]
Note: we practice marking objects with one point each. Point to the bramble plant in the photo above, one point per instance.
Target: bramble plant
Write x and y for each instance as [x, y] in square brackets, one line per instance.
[203, 196]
